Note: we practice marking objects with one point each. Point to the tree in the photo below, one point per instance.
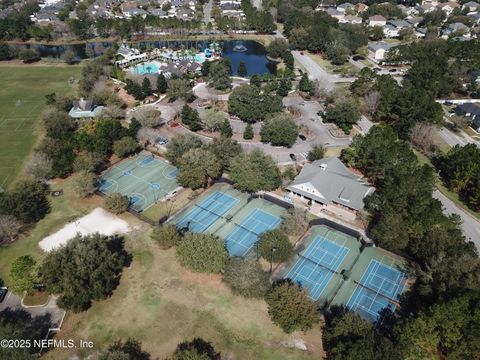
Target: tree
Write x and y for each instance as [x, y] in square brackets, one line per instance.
[279, 129]
[197, 349]
[162, 84]
[225, 149]
[348, 336]
[220, 76]
[242, 69]
[290, 307]
[18, 324]
[345, 113]
[39, 167]
[28, 56]
[69, 57]
[191, 118]
[128, 350]
[197, 166]
[116, 203]
[134, 89]
[246, 277]
[84, 184]
[423, 138]
[213, 119]
[88, 161]
[296, 222]
[125, 146]
[248, 132]
[166, 236]
[112, 112]
[251, 105]
[179, 145]
[254, 171]
[284, 87]
[148, 116]
[316, 153]
[27, 201]
[202, 253]
[256, 81]
[22, 274]
[179, 89]
[10, 227]
[277, 48]
[226, 129]
[275, 246]
[305, 84]
[146, 87]
[87, 268]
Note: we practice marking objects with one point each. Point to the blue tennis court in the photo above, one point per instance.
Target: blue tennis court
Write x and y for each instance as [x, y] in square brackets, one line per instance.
[242, 238]
[205, 213]
[380, 284]
[144, 179]
[369, 304]
[317, 265]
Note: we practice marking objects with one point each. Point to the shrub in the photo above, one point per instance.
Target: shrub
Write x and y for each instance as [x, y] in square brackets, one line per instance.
[116, 203]
[279, 130]
[197, 349]
[296, 222]
[84, 184]
[202, 253]
[316, 153]
[248, 133]
[125, 146]
[290, 307]
[166, 236]
[275, 239]
[246, 277]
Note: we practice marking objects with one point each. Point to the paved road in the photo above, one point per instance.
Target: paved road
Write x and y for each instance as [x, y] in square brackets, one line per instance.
[470, 225]
[451, 138]
[207, 12]
[315, 71]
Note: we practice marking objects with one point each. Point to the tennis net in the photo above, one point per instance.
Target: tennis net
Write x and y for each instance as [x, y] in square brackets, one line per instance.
[246, 229]
[378, 292]
[209, 210]
[316, 263]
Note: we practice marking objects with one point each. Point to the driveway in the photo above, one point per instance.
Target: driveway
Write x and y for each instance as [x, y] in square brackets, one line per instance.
[13, 302]
[315, 71]
[470, 225]
[207, 12]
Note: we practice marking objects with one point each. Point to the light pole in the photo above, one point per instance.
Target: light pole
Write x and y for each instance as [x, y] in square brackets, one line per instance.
[274, 248]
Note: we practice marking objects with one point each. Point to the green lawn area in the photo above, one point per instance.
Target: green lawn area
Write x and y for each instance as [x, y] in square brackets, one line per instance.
[22, 100]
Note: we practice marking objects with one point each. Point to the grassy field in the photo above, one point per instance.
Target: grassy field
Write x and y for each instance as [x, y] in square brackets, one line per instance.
[160, 303]
[22, 100]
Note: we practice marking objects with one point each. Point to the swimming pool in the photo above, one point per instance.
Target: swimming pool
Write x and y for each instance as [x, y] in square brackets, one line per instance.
[146, 68]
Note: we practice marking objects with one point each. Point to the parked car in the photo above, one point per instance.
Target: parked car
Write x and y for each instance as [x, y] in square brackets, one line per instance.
[377, 69]
[301, 52]
[3, 293]
[392, 70]
[161, 141]
[293, 157]
[302, 137]
[358, 58]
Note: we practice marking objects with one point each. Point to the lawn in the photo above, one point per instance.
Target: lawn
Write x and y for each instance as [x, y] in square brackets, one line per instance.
[160, 303]
[22, 100]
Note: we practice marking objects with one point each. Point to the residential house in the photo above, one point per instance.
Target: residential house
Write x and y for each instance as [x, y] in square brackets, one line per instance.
[377, 50]
[425, 8]
[350, 19]
[471, 111]
[390, 31]
[129, 56]
[335, 13]
[377, 20]
[159, 13]
[414, 20]
[84, 109]
[361, 8]
[329, 183]
[343, 8]
[456, 29]
[131, 12]
[471, 6]
[420, 32]
[448, 7]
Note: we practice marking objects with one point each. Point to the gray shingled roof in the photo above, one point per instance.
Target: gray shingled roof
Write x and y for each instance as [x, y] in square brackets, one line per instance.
[333, 182]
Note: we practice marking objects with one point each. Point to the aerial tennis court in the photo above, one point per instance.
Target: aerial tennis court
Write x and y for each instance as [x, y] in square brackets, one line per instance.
[233, 216]
[202, 215]
[380, 287]
[144, 178]
[246, 233]
[325, 254]
[376, 283]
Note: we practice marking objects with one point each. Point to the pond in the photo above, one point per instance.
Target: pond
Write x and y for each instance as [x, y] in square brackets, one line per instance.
[252, 53]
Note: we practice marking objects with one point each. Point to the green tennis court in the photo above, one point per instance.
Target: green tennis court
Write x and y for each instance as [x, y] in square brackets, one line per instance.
[144, 178]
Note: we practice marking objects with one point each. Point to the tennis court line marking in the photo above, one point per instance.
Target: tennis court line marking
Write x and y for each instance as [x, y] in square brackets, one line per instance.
[366, 277]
